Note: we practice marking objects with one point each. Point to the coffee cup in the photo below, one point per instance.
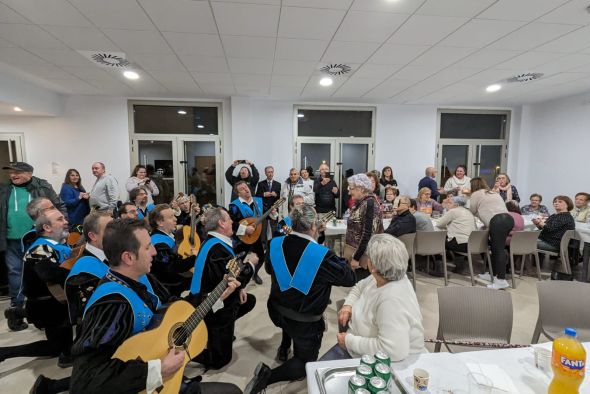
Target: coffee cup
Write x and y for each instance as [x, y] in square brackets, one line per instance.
[421, 377]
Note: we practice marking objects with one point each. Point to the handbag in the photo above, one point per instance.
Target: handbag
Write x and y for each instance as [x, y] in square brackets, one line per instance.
[348, 255]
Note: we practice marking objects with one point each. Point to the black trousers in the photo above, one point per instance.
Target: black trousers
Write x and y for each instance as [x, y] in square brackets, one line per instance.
[500, 227]
[454, 246]
[307, 340]
[59, 340]
[221, 332]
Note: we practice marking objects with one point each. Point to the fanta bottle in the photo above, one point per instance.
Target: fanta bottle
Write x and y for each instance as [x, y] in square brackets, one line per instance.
[568, 362]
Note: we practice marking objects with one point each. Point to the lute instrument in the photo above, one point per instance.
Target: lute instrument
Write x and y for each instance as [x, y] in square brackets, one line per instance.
[181, 327]
[256, 222]
[322, 222]
[190, 239]
[57, 290]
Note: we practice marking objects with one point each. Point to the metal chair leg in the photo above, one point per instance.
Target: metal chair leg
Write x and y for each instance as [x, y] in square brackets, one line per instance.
[537, 261]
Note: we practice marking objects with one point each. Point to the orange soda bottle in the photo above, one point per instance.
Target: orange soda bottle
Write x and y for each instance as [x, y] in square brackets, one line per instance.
[568, 361]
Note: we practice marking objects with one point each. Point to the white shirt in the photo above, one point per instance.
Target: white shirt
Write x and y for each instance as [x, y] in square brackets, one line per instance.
[384, 318]
[460, 222]
[99, 253]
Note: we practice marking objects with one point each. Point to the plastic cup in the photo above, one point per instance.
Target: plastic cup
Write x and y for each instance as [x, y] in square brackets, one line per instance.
[421, 377]
[542, 359]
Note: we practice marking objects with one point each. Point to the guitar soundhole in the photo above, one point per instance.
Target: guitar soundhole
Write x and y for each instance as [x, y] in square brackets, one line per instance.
[180, 336]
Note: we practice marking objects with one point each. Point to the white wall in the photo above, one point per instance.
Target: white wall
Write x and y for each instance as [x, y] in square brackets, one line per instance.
[96, 128]
[91, 129]
[554, 148]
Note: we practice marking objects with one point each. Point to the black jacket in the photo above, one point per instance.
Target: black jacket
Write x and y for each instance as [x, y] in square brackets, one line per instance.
[333, 271]
[404, 223]
[106, 325]
[37, 187]
[252, 180]
[325, 200]
[263, 187]
[213, 273]
[168, 265]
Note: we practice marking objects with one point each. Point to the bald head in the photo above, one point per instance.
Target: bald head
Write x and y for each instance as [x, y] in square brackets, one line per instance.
[430, 171]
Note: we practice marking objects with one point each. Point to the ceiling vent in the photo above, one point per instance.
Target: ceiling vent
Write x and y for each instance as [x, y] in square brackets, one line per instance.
[107, 59]
[336, 69]
[526, 77]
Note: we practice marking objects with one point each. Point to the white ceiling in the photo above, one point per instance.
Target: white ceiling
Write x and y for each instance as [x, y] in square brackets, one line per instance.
[400, 51]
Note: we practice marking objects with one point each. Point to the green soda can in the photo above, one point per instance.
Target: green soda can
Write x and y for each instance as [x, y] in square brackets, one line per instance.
[383, 371]
[362, 391]
[365, 371]
[382, 357]
[368, 360]
[356, 382]
[376, 384]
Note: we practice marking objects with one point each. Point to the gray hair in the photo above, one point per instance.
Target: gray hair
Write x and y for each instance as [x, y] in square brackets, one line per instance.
[267, 167]
[362, 181]
[304, 218]
[42, 220]
[388, 255]
[34, 208]
[460, 201]
[91, 223]
[212, 218]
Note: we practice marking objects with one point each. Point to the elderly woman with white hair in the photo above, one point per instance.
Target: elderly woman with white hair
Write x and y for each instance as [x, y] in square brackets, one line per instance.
[382, 310]
[459, 223]
[365, 220]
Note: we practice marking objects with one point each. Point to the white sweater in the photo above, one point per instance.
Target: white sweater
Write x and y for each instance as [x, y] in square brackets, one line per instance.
[384, 318]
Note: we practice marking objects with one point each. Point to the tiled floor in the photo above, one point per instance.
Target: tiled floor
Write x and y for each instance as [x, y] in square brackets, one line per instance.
[258, 339]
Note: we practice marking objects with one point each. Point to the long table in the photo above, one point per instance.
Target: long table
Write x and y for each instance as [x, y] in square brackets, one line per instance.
[448, 371]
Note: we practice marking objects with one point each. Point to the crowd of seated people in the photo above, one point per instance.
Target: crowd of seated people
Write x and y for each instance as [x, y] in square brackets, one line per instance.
[371, 258]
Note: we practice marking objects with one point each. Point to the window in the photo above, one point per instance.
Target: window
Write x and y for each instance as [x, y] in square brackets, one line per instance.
[334, 123]
[163, 119]
[473, 126]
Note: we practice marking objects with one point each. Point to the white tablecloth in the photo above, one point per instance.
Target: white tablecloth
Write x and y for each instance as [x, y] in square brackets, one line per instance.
[449, 371]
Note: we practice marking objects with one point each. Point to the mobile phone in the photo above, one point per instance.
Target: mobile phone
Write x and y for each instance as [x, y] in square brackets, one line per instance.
[241, 161]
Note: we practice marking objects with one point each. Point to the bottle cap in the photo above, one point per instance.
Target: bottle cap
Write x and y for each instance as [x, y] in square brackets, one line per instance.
[570, 331]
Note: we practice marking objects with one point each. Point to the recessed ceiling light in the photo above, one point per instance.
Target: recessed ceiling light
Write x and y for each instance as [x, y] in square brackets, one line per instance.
[18, 109]
[493, 88]
[181, 112]
[327, 81]
[200, 126]
[300, 115]
[130, 75]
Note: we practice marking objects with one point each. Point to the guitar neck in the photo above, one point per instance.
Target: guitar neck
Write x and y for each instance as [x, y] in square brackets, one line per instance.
[197, 316]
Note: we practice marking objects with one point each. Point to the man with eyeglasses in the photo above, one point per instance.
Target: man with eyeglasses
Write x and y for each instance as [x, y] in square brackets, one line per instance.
[15, 222]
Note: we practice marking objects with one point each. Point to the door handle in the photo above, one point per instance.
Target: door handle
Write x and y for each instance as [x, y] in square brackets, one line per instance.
[476, 164]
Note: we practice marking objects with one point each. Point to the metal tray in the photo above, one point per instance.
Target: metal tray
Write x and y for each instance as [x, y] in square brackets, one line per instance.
[334, 380]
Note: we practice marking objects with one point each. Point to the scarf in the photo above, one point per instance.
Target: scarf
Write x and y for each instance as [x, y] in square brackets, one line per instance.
[508, 190]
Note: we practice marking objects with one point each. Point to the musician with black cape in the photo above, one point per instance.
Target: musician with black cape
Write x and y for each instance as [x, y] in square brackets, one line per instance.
[210, 269]
[246, 206]
[168, 266]
[123, 305]
[303, 273]
[42, 267]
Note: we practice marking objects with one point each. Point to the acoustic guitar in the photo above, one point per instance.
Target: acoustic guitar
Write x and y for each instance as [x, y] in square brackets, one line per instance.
[74, 236]
[181, 327]
[57, 290]
[190, 239]
[327, 217]
[256, 222]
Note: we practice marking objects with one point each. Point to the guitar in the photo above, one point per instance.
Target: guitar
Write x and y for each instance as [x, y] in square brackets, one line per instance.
[256, 222]
[191, 239]
[327, 217]
[74, 236]
[180, 327]
[57, 290]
